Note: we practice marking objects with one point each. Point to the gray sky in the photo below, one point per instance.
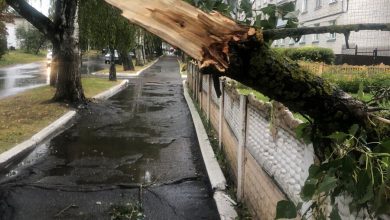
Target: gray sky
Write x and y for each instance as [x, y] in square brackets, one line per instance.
[41, 5]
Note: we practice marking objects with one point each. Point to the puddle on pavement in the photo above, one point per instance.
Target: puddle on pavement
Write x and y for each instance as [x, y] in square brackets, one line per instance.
[112, 142]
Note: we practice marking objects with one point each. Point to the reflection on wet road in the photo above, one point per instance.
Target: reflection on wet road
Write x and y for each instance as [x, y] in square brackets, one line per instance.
[144, 135]
[19, 78]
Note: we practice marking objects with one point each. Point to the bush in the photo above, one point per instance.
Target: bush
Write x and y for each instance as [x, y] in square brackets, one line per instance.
[315, 54]
[31, 39]
[350, 82]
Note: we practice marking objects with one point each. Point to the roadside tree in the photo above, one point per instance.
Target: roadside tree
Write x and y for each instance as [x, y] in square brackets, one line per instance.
[63, 33]
[4, 17]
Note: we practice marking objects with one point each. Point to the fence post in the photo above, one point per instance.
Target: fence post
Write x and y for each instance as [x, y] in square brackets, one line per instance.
[200, 90]
[195, 83]
[209, 97]
[221, 113]
[241, 148]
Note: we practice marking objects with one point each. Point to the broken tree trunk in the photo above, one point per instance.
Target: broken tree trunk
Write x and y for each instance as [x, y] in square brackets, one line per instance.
[224, 48]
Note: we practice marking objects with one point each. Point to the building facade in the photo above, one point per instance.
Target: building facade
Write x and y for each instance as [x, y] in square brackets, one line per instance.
[362, 44]
[12, 41]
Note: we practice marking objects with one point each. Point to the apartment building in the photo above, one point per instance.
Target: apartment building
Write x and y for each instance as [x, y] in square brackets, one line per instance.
[363, 44]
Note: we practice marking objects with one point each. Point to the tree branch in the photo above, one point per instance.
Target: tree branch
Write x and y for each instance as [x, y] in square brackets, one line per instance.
[275, 34]
[37, 19]
[224, 48]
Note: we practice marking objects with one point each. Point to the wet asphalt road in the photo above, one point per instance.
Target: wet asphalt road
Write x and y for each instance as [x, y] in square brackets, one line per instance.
[144, 135]
[22, 77]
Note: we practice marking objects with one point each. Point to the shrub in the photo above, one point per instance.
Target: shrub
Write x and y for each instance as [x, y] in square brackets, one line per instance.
[315, 54]
[351, 82]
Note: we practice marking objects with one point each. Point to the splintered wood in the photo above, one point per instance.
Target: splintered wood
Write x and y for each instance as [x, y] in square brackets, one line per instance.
[203, 36]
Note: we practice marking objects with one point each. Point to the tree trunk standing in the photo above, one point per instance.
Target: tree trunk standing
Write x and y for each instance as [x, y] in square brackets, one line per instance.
[69, 86]
[126, 61]
[139, 61]
[63, 33]
[54, 66]
[143, 54]
[112, 73]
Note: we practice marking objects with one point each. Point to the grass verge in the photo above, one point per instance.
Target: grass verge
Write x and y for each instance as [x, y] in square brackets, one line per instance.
[25, 114]
[19, 57]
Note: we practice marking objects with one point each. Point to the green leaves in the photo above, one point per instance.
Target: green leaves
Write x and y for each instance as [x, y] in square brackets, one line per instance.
[327, 184]
[286, 209]
[338, 136]
[304, 132]
[334, 215]
[352, 166]
[309, 189]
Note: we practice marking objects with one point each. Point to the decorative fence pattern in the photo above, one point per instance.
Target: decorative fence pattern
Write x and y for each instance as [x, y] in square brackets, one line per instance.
[232, 111]
[268, 162]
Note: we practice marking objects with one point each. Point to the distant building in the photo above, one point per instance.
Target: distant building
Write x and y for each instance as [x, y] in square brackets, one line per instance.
[364, 45]
[12, 41]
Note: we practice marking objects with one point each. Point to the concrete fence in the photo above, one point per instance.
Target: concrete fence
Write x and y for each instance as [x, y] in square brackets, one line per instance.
[267, 162]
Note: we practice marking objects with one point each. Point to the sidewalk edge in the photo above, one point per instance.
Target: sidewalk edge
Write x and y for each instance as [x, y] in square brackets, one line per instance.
[224, 203]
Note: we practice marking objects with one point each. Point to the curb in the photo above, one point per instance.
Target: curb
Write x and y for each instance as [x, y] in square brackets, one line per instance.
[112, 91]
[225, 204]
[122, 74]
[52, 130]
[7, 158]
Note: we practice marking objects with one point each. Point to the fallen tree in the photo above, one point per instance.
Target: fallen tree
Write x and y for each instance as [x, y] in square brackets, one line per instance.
[224, 48]
[348, 139]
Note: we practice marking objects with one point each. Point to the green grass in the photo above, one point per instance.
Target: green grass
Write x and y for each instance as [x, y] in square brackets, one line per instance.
[25, 114]
[258, 95]
[366, 97]
[19, 57]
[93, 86]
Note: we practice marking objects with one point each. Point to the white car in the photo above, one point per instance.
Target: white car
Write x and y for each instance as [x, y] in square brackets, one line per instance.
[107, 57]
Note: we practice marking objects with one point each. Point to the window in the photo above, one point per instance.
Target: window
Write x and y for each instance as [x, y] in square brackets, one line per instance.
[316, 37]
[318, 4]
[332, 36]
[304, 5]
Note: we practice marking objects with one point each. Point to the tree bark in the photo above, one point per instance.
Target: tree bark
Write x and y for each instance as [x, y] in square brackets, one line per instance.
[126, 61]
[112, 72]
[63, 33]
[139, 60]
[224, 48]
[69, 86]
[54, 65]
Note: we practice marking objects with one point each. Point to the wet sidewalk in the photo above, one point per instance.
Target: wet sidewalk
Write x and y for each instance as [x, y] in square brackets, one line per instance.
[139, 147]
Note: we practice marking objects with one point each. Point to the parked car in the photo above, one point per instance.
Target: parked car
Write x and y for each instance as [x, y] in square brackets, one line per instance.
[107, 57]
[49, 57]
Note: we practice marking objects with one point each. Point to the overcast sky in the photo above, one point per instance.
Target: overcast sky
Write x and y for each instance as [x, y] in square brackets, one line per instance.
[41, 5]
